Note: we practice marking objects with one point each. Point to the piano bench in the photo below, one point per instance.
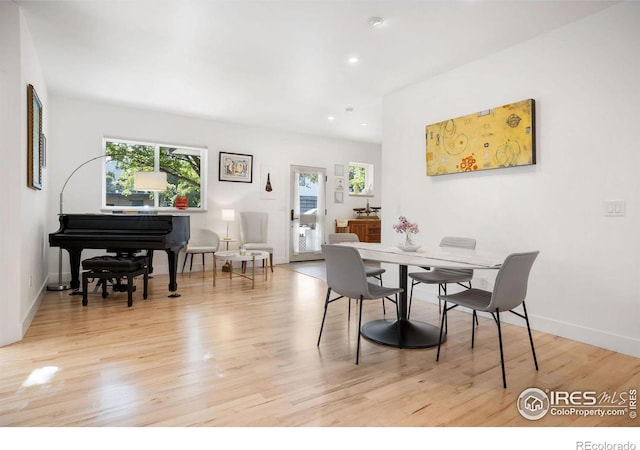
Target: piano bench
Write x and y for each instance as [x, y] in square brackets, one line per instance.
[108, 267]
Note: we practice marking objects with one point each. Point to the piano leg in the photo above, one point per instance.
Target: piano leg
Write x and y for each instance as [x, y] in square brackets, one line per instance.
[150, 256]
[74, 262]
[172, 256]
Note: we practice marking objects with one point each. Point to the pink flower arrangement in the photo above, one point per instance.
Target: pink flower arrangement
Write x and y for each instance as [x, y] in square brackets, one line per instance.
[404, 226]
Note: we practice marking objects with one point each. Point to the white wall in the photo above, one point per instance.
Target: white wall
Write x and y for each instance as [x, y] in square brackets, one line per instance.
[584, 79]
[10, 145]
[22, 236]
[78, 127]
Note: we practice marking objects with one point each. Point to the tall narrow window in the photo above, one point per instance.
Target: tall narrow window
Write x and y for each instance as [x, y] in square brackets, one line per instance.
[360, 178]
[185, 168]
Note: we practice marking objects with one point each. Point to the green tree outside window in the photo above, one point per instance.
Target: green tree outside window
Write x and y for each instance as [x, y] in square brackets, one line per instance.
[183, 167]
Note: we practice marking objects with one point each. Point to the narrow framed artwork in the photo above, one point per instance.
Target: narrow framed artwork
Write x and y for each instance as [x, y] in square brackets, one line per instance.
[496, 138]
[43, 150]
[236, 167]
[35, 151]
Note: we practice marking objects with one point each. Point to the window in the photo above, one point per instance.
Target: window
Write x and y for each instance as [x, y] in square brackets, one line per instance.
[360, 178]
[185, 167]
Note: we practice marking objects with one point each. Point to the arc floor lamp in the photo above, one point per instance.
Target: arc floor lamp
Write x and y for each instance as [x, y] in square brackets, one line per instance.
[142, 181]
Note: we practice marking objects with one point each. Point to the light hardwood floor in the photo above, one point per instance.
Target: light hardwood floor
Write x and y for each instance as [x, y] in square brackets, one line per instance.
[232, 356]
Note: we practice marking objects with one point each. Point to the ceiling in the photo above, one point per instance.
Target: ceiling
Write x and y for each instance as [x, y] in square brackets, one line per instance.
[280, 64]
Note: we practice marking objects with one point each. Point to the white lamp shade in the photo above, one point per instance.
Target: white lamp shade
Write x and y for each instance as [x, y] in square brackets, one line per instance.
[228, 215]
[150, 181]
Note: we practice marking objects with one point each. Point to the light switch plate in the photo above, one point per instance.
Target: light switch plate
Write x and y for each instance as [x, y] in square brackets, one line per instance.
[614, 208]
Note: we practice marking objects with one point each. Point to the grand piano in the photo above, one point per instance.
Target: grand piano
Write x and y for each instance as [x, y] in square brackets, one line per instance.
[122, 233]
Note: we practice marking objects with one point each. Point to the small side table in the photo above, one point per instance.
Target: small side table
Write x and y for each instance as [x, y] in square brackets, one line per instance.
[227, 265]
[235, 255]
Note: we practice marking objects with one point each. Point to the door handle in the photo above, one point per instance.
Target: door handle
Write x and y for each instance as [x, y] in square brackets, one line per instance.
[292, 215]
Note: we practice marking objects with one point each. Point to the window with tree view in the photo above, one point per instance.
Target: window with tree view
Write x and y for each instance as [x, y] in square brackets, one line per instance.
[185, 168]
[360, 178]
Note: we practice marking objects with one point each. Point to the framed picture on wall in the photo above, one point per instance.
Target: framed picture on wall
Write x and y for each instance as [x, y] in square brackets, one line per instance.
[43, 149]
[236, 167]
[35, 152]
[496, 138]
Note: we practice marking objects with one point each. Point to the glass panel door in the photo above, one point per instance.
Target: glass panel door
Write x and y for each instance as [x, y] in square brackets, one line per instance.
[307, 214]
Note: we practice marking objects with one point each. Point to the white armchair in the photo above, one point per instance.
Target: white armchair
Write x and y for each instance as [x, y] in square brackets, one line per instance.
[201, 241]
[253, 233]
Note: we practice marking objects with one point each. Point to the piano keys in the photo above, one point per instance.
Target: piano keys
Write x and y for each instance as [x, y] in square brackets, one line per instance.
[122, 233]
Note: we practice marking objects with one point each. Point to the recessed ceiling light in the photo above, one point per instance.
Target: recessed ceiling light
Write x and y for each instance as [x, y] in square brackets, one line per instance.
[375, 21]
[331, 118]
[353, 60]
[363, 124]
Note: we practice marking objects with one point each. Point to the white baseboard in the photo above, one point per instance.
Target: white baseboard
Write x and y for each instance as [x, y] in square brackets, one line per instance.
[626, 345]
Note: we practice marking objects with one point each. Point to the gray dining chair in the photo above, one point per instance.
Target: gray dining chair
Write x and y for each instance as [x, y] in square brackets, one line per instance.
[346, 277]
[442, 277]
[509, 292]
[372, 271]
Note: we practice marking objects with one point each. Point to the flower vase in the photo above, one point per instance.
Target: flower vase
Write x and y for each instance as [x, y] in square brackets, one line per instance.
[408, 245]
[408, 239]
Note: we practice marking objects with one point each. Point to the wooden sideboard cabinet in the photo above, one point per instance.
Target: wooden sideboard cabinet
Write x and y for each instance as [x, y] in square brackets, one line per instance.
[368, 230]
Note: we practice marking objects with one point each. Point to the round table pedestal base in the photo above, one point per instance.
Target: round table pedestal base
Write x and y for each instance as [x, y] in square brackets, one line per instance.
[413, 334]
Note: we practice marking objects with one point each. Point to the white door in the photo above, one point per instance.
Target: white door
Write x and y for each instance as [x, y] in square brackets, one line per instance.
[307, 213]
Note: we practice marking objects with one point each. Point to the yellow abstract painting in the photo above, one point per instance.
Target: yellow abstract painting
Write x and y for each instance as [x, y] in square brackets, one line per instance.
[498, 137]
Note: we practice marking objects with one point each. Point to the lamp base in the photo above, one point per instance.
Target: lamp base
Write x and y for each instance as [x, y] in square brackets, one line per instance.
[58, 287]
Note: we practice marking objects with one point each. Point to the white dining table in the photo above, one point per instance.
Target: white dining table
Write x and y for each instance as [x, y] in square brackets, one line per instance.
[405, 333]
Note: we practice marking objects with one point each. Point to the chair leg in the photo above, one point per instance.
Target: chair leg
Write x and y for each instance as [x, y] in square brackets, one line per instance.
[359, 332]
[413, 283]
[191, 263]
[444, 317]
[326, 303]
[384, 309]
[271, 261]
[85, 286]
[504, 376]
[203, 263]
[533, 350]
[184, 263]
[398, 319]
[105, 287]
[444, 290]
[473, 328]
[129, 291]
[475, 315]
[145, 292]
